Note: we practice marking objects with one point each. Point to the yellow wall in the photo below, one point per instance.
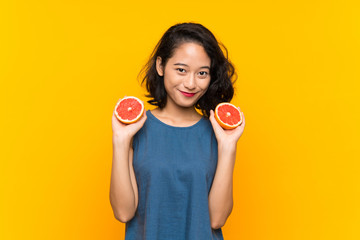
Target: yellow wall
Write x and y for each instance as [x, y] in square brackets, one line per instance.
[64, 64]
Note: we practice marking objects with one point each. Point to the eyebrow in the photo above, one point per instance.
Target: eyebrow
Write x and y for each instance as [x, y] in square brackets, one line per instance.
[183, 64]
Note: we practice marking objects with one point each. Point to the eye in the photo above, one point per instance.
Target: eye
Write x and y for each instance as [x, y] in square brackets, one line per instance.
[203, 73]
[180, 70]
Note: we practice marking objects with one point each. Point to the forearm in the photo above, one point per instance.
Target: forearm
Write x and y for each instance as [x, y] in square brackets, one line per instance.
[122, 196]
[221, 193]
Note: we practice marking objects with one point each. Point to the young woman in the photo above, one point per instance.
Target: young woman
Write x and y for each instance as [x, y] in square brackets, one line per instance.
[172, 170]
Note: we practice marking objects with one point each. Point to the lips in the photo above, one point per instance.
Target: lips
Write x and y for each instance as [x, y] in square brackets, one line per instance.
[186, 94]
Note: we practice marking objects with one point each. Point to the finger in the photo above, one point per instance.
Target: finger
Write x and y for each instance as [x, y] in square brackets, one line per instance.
[141, 121]
[241, 113]
[136, 126]
[243, 119]
[242, 125]
[217, 128]
[212, 116]
[143, 118]
[114, 115]
[117, 102]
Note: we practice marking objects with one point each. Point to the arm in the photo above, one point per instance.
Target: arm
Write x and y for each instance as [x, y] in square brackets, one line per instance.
[123, 188]
[221, 192]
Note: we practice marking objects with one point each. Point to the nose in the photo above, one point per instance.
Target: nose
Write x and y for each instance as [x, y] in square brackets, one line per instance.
[189, 82]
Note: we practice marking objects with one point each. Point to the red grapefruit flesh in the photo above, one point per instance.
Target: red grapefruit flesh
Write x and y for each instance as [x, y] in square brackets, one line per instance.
[227, 115]
[129, 110]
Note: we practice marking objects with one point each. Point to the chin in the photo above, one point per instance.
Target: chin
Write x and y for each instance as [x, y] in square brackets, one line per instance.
[185, 103]
[190, 105]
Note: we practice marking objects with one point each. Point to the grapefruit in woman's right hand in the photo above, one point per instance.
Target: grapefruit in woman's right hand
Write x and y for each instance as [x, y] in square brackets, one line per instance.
[126, 127]
[129, 110]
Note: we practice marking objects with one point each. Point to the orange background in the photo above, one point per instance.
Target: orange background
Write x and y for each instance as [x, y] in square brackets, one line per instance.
[64, 65]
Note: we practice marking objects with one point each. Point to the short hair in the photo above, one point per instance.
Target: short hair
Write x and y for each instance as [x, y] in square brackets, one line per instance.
[222, 71]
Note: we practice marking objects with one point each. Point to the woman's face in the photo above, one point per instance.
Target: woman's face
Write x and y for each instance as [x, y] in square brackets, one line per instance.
[186, 74]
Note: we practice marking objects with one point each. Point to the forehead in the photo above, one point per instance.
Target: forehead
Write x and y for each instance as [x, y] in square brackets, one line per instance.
[191, 54]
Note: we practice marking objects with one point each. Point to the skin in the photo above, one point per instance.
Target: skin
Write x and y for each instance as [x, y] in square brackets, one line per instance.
[186, 71]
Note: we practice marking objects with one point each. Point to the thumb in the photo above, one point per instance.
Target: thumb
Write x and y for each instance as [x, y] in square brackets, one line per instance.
[217, 128]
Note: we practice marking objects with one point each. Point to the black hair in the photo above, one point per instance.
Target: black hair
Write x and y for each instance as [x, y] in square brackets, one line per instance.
[222, 72]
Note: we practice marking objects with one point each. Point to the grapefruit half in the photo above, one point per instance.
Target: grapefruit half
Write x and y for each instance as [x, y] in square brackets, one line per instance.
[129, 109]
[228, 115]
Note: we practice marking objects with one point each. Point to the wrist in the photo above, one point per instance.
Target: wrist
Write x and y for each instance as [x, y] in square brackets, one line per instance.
[121, 140]
[227, 147]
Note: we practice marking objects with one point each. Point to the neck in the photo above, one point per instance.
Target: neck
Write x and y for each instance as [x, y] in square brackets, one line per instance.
[177, 115]
[180, 112]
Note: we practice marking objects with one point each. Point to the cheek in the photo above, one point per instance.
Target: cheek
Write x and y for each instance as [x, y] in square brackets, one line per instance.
[205, 84]
[170, 81]
[204, 87]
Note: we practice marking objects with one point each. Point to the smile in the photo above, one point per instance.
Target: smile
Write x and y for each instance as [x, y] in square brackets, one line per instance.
[186, 94]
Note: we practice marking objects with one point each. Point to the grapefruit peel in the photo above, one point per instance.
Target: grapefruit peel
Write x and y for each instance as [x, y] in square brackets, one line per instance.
[225, 116]
[129, 110]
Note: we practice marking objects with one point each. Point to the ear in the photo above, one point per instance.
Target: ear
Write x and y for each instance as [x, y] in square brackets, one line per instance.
[159, 67]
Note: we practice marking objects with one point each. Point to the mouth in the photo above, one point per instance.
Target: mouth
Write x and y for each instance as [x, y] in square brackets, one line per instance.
[187, 94]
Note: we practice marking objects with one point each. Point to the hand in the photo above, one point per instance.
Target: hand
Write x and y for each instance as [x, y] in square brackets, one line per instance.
[226, 137]
[123, 131]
